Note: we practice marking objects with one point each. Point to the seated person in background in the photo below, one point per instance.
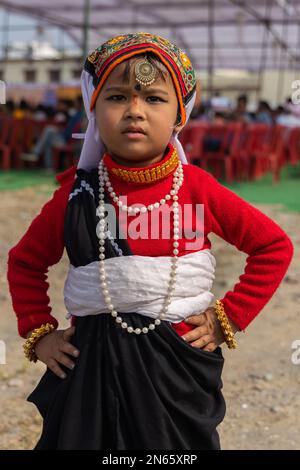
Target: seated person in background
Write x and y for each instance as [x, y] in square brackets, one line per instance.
[62, 112]
[264, 113]
[199, 113]
[40, 113]
[22, 111]
[213, 143]
[9, 108]
[240, 113]
[53, 137]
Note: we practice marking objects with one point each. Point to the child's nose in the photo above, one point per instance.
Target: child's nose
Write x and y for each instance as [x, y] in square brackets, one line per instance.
[135, 108]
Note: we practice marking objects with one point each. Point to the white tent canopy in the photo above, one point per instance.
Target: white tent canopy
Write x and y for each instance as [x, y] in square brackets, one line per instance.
[250, 35]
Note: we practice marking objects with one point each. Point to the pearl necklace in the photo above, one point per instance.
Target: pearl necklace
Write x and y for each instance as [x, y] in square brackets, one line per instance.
[104, 181]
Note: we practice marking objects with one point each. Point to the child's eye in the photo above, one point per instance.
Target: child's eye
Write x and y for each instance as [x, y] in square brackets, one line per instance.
[116, 97]
[155, 99]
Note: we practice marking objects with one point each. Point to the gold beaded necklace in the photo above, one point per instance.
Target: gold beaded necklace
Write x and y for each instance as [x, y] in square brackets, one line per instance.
[150, 174]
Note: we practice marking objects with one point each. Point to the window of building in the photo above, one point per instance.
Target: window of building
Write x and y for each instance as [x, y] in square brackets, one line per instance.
[54, 75]
[76, 73]
[30, 76]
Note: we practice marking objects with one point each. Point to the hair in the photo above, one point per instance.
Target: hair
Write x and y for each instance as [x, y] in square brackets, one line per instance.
[265, 105]
[23, 104]
[160, 67]
[10, 105]
[243, 98]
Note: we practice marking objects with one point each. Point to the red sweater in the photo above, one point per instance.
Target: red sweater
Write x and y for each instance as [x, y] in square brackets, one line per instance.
[268, 247]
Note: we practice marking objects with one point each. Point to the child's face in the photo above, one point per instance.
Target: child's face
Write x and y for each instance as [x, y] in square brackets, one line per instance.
[152, 109]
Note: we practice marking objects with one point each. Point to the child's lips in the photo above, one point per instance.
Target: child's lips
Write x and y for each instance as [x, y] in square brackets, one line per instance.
[134, 131]
[134, 135]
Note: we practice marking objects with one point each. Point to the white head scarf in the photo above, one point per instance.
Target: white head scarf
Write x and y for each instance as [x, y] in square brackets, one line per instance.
[93, 148]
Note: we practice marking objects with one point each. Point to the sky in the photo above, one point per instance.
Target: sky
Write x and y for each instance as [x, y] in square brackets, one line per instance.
[54, 35]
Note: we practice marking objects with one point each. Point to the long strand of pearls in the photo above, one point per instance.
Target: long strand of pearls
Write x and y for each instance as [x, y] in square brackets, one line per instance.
[104, 181]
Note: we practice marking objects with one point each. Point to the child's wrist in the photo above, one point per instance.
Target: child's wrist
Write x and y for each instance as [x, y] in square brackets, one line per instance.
[228, 327]
[33, 337]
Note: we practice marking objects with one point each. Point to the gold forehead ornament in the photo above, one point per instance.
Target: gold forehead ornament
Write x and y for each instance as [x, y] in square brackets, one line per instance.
[145, 72]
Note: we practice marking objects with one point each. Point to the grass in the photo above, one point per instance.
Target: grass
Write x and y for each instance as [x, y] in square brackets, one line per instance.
[286, 192]
[14, 180]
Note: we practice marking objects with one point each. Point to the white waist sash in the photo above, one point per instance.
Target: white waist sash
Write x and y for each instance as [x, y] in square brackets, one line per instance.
[139, 284]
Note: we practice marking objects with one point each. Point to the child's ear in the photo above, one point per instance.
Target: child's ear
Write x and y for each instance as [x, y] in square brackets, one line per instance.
[178, 125]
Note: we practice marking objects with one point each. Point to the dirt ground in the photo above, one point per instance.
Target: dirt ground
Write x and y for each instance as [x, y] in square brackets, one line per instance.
[261, 384]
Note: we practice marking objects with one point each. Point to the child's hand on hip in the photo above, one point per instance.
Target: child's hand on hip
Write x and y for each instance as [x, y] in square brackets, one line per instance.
[54, 349]
[207, 334]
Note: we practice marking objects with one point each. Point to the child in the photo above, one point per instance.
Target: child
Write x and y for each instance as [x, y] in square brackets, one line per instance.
[136, 383]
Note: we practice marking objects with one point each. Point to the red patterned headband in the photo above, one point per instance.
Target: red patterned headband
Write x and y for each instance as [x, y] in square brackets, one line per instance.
[106, 57]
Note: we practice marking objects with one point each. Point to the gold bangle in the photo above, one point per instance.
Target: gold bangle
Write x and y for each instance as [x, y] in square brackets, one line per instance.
[226, 328]
[37, 334]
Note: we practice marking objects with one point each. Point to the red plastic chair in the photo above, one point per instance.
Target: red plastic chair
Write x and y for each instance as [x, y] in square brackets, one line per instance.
[10, 144]
[293, 146]
[234, 148]
[227, 156]
[69, 149]
[191, 138]
[268, 155]
[255, 147]
[4, 129]
[277, 156]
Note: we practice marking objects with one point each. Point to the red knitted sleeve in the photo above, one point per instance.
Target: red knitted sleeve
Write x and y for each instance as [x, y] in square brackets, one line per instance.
[40, 247]
[269, 248]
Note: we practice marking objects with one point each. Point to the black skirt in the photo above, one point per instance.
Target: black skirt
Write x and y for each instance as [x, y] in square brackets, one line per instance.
[128, 391]
[150, 391]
